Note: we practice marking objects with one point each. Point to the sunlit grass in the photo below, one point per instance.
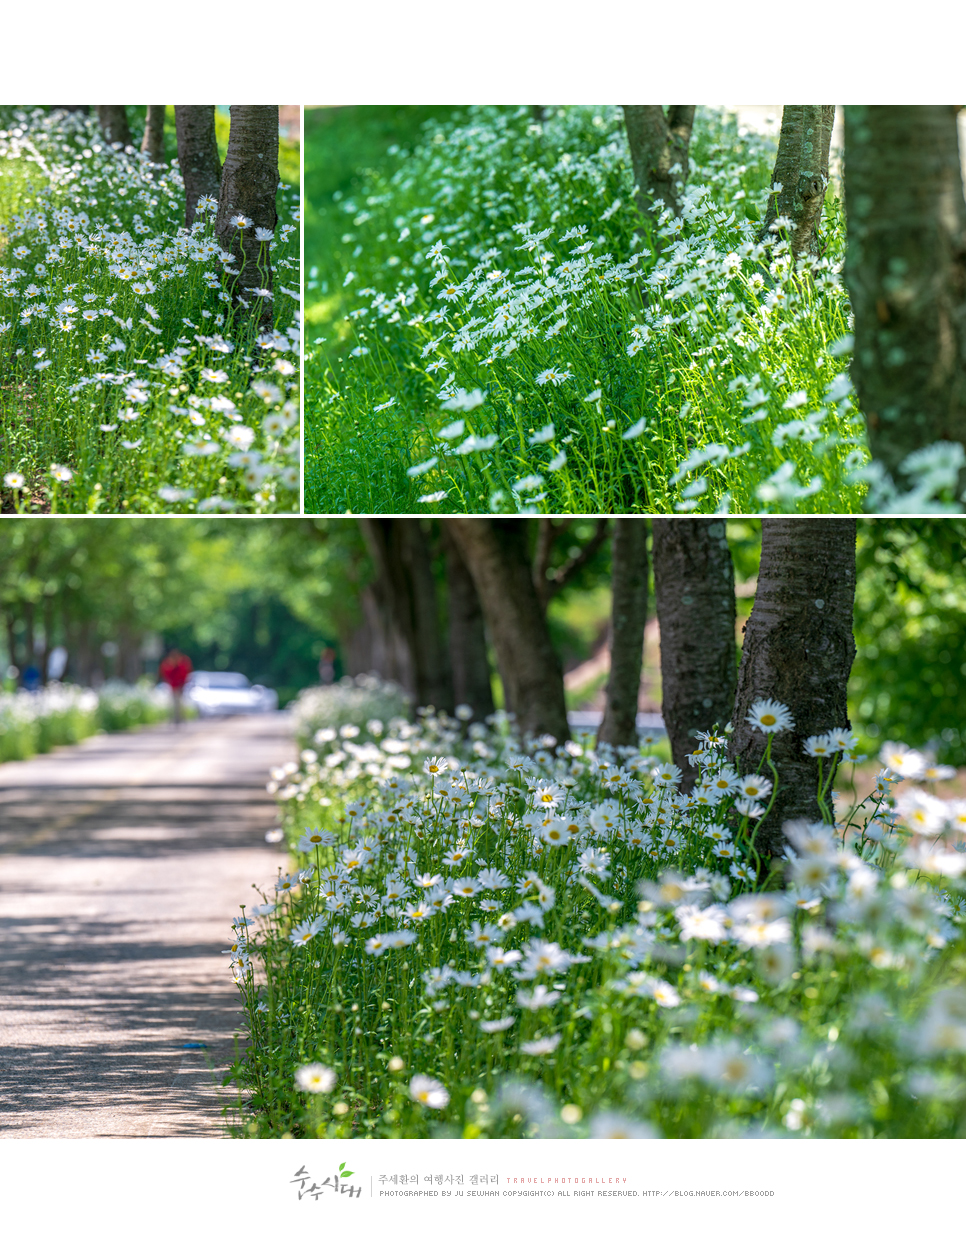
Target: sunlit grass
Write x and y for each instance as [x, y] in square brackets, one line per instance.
[520, 341]
[133, 384]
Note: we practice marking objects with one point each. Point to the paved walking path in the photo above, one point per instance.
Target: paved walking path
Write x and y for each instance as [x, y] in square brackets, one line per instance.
[122, 863]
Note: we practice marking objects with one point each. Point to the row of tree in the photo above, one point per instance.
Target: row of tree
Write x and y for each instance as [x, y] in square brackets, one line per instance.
[264, 598]
[906, 259]
[500, 577]
[244, 186]
[442, 605]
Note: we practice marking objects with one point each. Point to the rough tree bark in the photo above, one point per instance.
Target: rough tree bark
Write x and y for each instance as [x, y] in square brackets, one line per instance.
[249, 182]
[798, 650]
[467, 637]
[801, 169]
[658, 141]
[112, 118]
[404, 564]
[496, 552]
[628, 616]
[906, 273]
[153, 140]
[694, 587]
[198, 156]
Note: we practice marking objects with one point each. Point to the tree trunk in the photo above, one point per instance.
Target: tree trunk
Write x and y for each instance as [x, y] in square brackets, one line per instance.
[84, 656]
[198, 156]
[249, 182]
[112, 118]
[401, 554]
[801, 169]
[12, 646]
[798, 650]
[467, 637]
[129, 658]
[153, 140]
[496, 552]
[694, 584]
[29, 634]
[906, 273]
[376, 647]
[46, 646]
[628, 616]
[659, 142]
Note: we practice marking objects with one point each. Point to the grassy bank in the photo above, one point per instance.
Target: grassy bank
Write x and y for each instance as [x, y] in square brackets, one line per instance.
[500, 330]
[132, 384]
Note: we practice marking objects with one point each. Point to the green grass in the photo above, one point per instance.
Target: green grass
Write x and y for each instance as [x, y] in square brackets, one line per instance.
[599, 375]
[132, 384]
[343, 146]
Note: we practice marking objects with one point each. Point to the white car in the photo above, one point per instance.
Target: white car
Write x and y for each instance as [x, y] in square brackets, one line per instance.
[214, 692]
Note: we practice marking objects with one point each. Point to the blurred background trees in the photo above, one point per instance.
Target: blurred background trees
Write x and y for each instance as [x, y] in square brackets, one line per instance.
[292, 601]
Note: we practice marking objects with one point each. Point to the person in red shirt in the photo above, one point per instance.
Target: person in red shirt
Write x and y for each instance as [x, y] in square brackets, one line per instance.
[174, 670]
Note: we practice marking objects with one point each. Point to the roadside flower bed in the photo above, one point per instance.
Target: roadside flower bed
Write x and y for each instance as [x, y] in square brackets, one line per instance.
[478, 939]
[352, 703]
[61, 713]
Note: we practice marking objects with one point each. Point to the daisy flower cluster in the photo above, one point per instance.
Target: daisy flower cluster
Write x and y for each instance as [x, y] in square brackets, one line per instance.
[520, 341]
[345, 708]
[62, 713]
[147, 390]
[486, 936]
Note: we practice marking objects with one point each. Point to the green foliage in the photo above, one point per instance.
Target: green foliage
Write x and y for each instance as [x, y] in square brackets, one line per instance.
[591, 362]
[342, 147]
[909, 677]
[264, 598]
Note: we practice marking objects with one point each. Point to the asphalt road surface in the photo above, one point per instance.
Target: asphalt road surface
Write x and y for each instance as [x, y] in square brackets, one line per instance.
[122, 863]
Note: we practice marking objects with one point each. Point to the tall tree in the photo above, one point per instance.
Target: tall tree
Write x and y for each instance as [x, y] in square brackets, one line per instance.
[801, 172]
[153, 140]
[112, 118]
[659, 141]
[798, 650]
[403, 561]
[694, 585]
[906, 273]
[498, 556]
[467, 635]
[249, 182]
[628, 617]
[198, 156]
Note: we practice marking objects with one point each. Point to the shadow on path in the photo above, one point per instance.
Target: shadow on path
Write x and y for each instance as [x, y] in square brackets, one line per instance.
[122, 863]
